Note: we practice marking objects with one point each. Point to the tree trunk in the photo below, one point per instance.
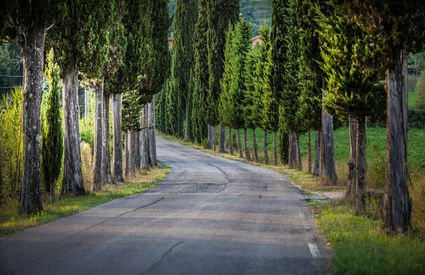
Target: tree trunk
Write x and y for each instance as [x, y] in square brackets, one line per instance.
[127, 153]
[145, 140]
[327, 158]
[213, 138]
[230, 141]
[139, 150]
[266, 149]
[186, 123]
[361, 167]
[292, 150]
[316, 170]
[72, 176]
[86, 103]
[210, 139]
[299, 158]
[239, 144]
[33, 57]
[397, 205]
[106, 156]
[352, 171]
[248, 157]
[275, 147]
[117, 146]
[152, 138]
[98, 139]
[254, 141]
[222, 147]
[309, 151]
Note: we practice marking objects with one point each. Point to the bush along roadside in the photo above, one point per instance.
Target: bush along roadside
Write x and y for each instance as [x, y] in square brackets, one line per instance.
[12, 219]
[357, 243]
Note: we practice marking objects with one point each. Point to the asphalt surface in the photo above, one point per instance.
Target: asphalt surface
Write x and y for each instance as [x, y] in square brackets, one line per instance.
[209, 216]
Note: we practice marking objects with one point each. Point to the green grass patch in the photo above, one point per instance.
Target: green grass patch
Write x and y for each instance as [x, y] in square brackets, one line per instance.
[360, 247]
[12, 219]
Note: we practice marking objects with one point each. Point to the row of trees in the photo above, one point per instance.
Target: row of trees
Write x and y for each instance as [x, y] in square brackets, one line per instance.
[119, 49]
[320, 60]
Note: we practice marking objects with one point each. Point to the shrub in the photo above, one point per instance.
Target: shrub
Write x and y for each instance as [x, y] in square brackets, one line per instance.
[86, 165]
[420, 92]
[376, 175]
[12, 142]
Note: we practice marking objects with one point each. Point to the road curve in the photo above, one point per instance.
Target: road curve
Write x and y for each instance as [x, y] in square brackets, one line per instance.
[209, 216]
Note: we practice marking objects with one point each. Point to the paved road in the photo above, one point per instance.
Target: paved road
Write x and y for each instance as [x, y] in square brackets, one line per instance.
[209, 216]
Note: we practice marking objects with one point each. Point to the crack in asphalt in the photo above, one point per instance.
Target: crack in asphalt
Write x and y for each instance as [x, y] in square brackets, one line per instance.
[122, 214]
[166, 253]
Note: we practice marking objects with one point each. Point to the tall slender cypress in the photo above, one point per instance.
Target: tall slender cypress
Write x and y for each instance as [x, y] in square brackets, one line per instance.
[185, 17]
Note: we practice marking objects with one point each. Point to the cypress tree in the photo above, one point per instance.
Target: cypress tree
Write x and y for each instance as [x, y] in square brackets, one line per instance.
[80, 37]
[400, 29]
[185, 17]
[269, 112]
[221, 13]
[291, 121]
[279, 48]
[354, 89]
[51, 138]
[25, 23]
[201, 75]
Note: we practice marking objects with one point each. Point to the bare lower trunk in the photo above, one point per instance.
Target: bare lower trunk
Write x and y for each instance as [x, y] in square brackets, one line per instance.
[397, 205]
[327, 158]
[248, 157]
[222, 147]
[361, 167]
[72, 177]
[86, 103]
[152, 139]
[133, 153]
[213, 139]
[98, 139]
[32, 52]
[139, 150]
[299, 159]
[117, 146]
[186, 123]
[316, 169]
[210, 138]
[127, 153]
[239, 144]
[352, 178]
[292, 150]
[309, 151]
[266, 149]
[106, 156]
[230, 141]
[145, 140]
[275, 148]
[254, 141]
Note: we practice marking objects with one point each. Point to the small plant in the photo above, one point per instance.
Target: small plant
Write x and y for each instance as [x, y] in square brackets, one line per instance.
[420, 92]
[377, 169]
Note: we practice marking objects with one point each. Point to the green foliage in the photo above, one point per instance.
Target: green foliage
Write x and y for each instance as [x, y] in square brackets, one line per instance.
[11, 117]
[185, 17]
[420, 92]
[52, 133]
[189, 106]
[221, 13]
[201, 75]
[268, 106]
[11, 68]
[80, 35]
[249, 112]
[359, 246]
[171, 115]
[87, 124]
[353, 86]
[290, 94]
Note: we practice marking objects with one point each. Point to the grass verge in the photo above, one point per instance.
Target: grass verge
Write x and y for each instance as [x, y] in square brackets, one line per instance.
[360, 247]
[12, 219]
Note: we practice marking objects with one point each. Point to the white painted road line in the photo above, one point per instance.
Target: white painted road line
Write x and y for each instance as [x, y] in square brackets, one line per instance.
[314, 250]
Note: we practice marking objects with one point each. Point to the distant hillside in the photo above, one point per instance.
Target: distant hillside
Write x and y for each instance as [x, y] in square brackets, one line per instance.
[254, 11]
